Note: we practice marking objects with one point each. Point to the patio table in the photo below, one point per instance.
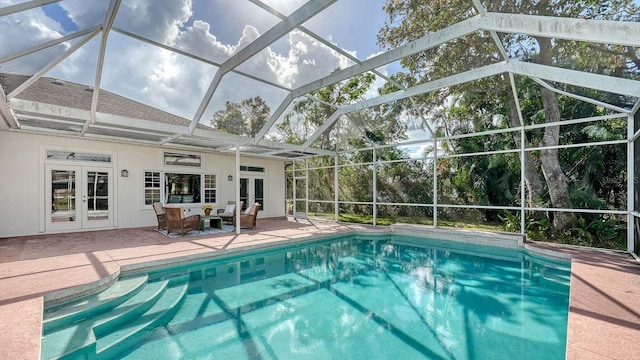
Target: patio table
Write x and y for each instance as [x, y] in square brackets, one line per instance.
[214, 221]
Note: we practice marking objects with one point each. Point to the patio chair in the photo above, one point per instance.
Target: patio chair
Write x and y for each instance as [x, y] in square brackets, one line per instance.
[229, 212]
[178, 223]
[160, 214]
[248, 218]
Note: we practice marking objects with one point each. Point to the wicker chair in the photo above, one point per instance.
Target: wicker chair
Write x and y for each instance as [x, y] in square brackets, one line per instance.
[160, 214]
[178, 223]
[228, 216]
[248, 219]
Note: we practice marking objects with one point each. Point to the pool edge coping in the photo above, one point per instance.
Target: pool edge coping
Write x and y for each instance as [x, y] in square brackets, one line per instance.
[469, 236]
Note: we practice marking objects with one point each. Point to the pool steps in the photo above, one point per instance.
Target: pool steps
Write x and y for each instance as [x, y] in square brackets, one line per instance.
[159, 314]
[113, 296]
[116, 320]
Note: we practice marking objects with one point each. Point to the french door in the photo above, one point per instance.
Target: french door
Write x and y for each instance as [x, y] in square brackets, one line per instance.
[252, 191]
[78, 197]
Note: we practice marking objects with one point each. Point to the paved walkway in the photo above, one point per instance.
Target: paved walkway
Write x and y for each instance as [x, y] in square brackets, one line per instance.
[604, 320]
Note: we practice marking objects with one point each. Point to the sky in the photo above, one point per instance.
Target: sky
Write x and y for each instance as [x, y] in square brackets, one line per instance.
[212, 29]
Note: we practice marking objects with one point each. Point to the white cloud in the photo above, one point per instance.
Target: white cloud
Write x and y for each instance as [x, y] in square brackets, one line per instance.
[306, 60]
[314, 60]
[85, 16]
[169, 81]
[26, 29]
[198, 40]
[159, 20]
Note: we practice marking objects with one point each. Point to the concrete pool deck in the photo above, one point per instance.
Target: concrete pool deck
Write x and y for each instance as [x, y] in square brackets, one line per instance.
[604, 315]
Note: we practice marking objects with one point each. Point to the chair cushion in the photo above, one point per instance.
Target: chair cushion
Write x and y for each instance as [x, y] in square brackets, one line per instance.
[248, 211]
[229, 208]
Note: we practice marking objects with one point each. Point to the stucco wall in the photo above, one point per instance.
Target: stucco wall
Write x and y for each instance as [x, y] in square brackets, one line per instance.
[23, 185]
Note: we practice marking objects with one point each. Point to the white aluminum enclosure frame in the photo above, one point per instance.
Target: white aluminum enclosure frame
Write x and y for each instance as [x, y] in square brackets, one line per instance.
[14, 110]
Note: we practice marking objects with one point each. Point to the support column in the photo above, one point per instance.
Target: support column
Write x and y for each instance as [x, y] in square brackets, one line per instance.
[293, 192]
[336, 191]
[375, 186]
[306, 187]
[435, 181]
[237, 175]
[631, 221]
[523, 143]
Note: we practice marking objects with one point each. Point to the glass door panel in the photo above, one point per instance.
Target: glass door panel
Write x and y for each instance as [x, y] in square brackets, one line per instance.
[244, 192]
[258, 192]
[97, 195]
[78, 197]
[252, 191]
[63, 196]
[97, 201]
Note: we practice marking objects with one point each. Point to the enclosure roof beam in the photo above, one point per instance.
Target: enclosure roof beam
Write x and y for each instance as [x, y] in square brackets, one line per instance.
[572, 77]
[6, 113]
[494, 35]
[196, 57]
[51, 65]
[110, 121]
[106, 29]
[48, 44]
[27, 5]
[467, 76]
[274, 117]
[580, 97]
[461, 78]
[427, 42]
[597, 31]
[298, 17]
[606, 83]
[424, 43]
[601, 31]
[635, 108]
[324, 127]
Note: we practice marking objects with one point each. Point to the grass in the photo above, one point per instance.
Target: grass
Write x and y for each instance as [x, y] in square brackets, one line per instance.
[387, 221]
[610, 241]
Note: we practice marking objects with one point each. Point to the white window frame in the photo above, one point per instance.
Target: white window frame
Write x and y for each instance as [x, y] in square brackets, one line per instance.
[151, 188]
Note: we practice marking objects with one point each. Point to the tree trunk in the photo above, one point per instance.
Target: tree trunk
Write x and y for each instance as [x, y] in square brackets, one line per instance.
[531, 177]
[553, 174]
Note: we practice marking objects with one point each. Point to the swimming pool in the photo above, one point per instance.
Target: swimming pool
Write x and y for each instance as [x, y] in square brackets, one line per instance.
[357, 297]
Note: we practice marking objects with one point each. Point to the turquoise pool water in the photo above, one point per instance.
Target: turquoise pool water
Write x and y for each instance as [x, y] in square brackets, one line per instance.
[361, 297]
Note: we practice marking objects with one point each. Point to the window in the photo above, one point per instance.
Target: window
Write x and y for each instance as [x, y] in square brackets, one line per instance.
[151, 187]
[175, 159]
[251, 168]
[209, 188]
[77, 156]
[182, 188]
[179, 188]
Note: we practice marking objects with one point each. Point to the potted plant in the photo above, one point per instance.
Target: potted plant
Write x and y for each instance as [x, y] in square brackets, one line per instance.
[207, 209]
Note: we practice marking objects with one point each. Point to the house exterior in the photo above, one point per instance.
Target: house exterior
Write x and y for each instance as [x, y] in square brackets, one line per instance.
[64, 183]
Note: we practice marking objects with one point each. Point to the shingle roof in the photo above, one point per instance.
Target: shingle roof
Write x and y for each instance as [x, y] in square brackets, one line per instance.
[64, 93]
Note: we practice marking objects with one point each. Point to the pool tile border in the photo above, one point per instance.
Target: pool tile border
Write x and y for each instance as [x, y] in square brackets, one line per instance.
[477, 237]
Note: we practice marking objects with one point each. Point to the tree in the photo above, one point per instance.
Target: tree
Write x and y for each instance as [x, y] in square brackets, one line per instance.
[356, 130]
[245, 118]
[411, 19]
[309, 114]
